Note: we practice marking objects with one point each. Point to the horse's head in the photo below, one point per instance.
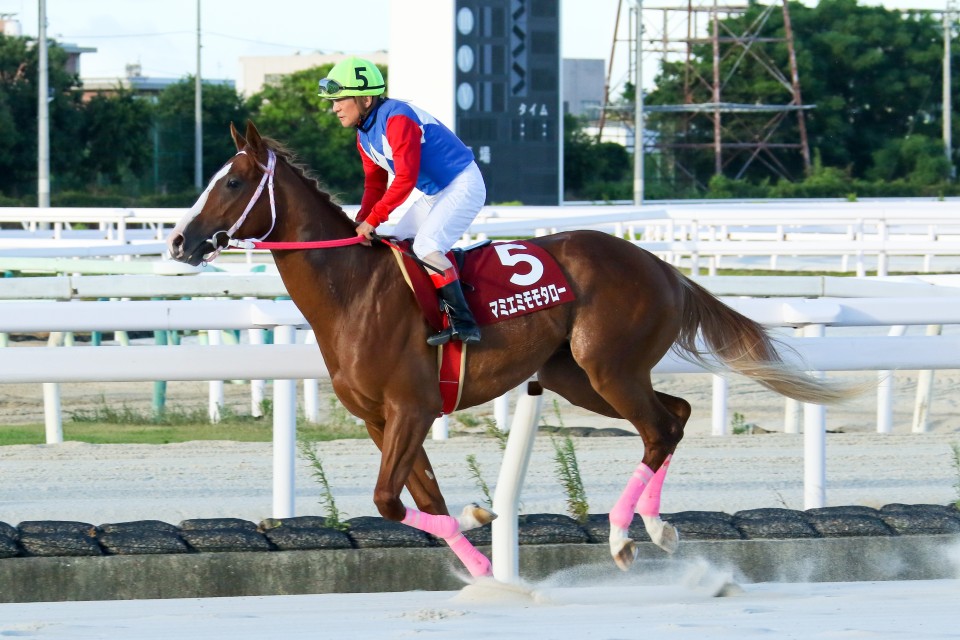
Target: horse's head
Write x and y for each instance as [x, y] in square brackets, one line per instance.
[231, 205]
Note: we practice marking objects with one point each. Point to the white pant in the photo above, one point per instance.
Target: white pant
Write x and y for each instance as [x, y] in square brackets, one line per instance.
[436, 222]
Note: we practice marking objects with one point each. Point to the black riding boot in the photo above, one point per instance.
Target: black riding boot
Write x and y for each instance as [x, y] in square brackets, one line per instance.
[463, 326]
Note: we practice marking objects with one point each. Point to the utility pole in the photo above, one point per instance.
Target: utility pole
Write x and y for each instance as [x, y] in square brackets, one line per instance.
[197, 117]
[947, 101]
[638, 124]
[43, 113]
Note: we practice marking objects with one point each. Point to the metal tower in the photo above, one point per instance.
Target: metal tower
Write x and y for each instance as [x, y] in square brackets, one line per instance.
[739, 135]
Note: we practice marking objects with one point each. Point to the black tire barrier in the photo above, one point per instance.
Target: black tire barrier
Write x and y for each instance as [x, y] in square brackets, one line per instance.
[216, 535]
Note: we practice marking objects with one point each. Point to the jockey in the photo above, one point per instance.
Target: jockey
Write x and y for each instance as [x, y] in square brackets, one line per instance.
[405, 148]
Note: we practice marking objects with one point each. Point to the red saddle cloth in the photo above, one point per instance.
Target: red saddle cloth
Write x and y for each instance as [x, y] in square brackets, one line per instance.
[500, 281]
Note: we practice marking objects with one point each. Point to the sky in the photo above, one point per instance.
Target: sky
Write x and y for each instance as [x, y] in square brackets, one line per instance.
[161, 35]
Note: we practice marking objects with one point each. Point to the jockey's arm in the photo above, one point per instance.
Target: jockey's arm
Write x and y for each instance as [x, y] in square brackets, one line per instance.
[374, 184]
[403, 135]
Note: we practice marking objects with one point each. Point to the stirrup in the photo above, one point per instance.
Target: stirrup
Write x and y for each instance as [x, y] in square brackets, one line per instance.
[470, 336]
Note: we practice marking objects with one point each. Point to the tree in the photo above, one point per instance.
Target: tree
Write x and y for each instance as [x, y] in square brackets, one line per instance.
[18, 117]
[593, 170]
[918, 159]
[292, 113]
[117, 130]
[873, 74]
[175, 122]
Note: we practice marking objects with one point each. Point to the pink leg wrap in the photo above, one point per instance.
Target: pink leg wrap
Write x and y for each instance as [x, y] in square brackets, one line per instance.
[649, 503]
[622, 513]
[440, 526]
[476, 563]
[448, 528]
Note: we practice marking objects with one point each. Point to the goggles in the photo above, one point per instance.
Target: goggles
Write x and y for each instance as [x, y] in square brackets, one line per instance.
[330, 87]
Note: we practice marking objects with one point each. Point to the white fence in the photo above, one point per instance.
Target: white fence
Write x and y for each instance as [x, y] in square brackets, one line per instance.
[285, 362]
[858, 236]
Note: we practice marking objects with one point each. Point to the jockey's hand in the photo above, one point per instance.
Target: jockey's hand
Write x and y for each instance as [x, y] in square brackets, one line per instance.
[366, 230]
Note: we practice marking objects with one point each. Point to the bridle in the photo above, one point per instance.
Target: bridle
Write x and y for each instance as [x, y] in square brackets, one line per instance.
[265, 180]
[258, 243]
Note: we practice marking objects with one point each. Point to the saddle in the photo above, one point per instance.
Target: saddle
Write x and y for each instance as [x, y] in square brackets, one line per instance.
[500, 281]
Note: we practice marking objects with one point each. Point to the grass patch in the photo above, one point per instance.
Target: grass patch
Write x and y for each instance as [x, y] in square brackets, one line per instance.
[568, 472]
[740, 426]
[122, 424]
[332, 516]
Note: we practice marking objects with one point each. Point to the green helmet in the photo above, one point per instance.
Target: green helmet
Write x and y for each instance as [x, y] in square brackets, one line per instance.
[352, 76]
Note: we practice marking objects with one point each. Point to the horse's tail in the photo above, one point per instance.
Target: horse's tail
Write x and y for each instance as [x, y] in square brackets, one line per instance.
[745, 347]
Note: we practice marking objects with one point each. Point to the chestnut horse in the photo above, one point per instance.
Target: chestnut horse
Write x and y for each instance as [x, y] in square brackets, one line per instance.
[597, 351]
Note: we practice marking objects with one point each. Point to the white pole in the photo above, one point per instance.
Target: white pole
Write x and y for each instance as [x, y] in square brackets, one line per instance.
[814, 443]
[885, 390]
[506, 497]
[638, 124]
[791, 416]
[198, 117]
[791, 409]
[43, 112]
[215, 395]
[501, 412]
[921, 408]
[284, 435]
[52, 419]
[947, 87]
[719, 413]
[311, 389]
[441, 428]
[257, 387]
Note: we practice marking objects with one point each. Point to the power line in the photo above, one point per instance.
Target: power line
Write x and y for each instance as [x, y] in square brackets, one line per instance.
[126, 35]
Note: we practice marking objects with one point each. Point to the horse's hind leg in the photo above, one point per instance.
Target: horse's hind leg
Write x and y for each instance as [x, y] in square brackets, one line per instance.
[658, 417]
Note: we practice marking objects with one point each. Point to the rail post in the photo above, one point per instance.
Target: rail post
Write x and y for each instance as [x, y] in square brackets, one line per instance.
[513, 469]
[284, 435]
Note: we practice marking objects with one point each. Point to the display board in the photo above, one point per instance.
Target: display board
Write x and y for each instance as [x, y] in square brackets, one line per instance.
[507, 96]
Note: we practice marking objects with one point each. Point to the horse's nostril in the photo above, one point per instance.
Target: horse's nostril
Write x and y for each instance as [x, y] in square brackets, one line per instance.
[175, 244]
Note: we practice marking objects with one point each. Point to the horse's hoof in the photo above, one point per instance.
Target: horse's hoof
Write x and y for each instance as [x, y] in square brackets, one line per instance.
[663, 534]
[625, 556]
[474, 516]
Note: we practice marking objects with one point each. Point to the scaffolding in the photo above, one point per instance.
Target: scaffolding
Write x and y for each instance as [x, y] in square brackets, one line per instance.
[742, 137]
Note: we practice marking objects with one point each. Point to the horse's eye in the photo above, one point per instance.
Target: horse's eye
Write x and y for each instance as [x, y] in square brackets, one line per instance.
[233, 183]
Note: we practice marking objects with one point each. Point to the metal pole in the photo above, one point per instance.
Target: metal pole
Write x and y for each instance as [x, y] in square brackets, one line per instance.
[198, 128]
[947, 101]
[43, 114]
[638, 125]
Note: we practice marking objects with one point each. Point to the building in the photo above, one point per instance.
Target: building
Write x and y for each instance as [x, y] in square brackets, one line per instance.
[260, 71]
[9, 26]
[137, 83]
[583, 82]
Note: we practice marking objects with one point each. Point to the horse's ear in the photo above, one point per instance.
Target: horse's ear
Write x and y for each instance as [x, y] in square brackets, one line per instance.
[253, 137]
[237, 138]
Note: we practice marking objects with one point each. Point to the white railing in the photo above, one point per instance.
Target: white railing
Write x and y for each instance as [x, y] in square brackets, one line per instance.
[301, 361]
[871, 233]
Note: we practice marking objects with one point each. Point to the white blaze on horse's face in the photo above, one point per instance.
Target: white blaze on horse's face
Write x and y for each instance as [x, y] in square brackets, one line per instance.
[202, 200]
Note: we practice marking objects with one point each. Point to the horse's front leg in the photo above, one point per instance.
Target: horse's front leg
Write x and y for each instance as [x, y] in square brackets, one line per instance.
[422, 482]
[401, 449]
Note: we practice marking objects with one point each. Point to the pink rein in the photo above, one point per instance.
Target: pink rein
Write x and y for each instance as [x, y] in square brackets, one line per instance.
[312, 244]
[268, 171]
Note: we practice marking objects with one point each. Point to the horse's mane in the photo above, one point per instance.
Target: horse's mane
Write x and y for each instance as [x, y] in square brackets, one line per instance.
[304, 171]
